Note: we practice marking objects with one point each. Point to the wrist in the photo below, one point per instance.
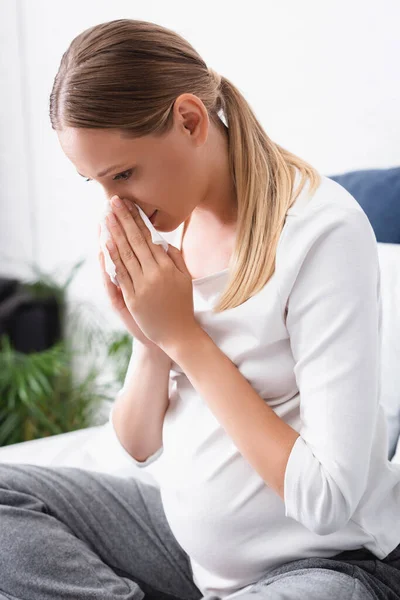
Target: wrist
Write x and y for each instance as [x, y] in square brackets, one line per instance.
[152, 351]
[187, 344]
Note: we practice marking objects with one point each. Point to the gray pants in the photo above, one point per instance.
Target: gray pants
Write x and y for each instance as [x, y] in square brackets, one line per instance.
[82, 535]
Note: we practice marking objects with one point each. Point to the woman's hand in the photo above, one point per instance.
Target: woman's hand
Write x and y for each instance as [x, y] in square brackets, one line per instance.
[156, 286]
[118, 304]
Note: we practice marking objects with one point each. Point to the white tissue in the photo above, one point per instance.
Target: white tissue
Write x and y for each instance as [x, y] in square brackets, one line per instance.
[105, 236]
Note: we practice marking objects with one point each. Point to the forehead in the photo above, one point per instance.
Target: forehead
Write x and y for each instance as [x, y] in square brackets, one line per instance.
[75, 140]
[94, 150]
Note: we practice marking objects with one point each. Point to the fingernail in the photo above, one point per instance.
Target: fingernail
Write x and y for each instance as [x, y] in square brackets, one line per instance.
[116, 201]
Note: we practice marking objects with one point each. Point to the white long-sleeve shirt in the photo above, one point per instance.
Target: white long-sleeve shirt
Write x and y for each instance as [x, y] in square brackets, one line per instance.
[309, 344]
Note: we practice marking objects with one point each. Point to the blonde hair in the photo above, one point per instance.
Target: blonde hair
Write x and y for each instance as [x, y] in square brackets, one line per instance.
[126, 74]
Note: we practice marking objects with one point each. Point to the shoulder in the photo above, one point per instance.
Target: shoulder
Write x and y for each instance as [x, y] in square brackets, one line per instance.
[328, 194]
[314, 215]
[322, 231]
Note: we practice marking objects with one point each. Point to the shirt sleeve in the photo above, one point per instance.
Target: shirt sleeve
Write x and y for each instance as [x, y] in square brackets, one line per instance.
[334, 323]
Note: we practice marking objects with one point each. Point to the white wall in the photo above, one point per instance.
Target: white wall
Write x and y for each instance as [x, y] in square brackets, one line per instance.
[322, 77]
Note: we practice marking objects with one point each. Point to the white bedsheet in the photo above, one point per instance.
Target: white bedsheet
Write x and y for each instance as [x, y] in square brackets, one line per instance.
[92, 448]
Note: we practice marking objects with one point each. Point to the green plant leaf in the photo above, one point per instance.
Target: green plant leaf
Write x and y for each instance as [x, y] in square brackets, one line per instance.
[8, 426]
[44, 420]
[11, 399]
[44, 395]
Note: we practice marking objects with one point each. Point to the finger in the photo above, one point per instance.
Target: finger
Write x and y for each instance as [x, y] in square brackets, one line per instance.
[138, 240]
[123, 275]
[131, 206]
[125, 256]
[143, 227]
[177, 258]
[156, 249]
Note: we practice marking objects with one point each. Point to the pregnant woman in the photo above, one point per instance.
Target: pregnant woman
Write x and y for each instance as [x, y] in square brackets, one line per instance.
[255, 377]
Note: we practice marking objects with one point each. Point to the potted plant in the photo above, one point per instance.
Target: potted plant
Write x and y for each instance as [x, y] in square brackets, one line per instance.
[61, 388]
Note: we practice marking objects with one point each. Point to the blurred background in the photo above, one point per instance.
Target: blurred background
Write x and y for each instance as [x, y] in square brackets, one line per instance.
[322, 78]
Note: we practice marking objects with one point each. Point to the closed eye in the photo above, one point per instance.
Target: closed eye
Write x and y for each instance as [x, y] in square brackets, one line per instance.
[124, 176]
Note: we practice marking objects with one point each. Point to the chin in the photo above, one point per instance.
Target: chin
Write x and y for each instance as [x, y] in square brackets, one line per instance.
[165, 227]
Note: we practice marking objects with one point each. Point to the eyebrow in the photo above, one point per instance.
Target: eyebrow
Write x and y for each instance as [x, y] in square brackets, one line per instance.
[105, 172]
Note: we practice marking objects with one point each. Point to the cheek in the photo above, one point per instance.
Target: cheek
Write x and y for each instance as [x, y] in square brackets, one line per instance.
[183, 178]
[172, 183]
[174, 186]
[160, 190]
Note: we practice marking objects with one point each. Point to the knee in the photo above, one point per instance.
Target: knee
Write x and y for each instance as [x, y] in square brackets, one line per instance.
[17, 487]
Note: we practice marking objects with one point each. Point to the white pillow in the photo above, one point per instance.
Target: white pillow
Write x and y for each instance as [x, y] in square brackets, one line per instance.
[389, 262]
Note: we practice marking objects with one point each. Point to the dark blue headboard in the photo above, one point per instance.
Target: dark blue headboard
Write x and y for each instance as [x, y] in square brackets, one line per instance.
[378, 193]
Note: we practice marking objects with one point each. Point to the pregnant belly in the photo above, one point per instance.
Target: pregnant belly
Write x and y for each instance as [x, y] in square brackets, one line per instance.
[217, 509]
